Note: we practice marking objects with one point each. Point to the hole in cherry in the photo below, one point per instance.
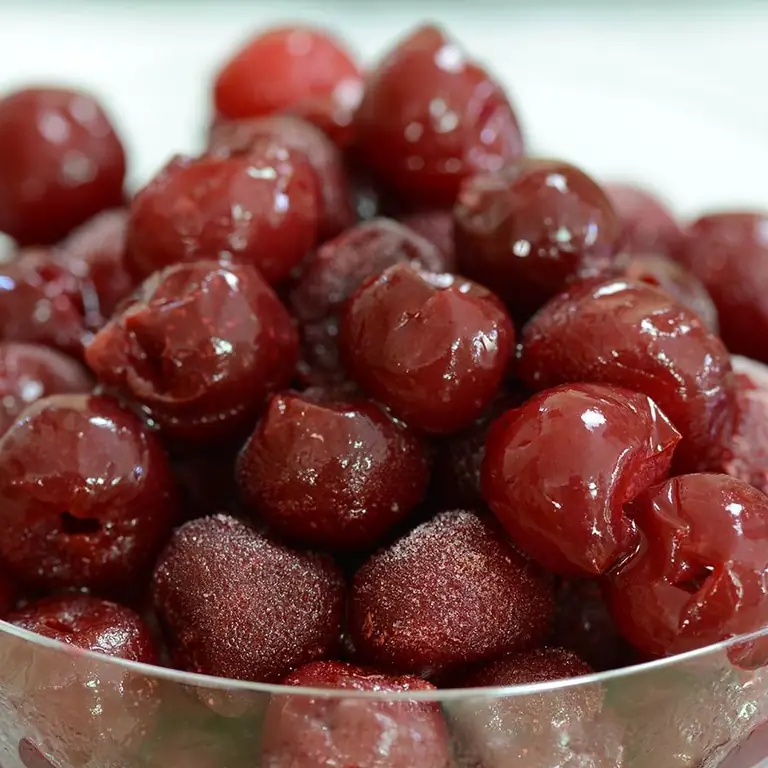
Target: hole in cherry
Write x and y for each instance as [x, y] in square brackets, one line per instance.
[79, 526]
[58, 626]
[694, 579]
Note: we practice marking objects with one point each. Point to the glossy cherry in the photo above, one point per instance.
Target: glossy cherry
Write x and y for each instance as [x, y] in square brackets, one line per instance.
[334, 475]
[633, 335]
[29, 372]
[89, 493]
[433, 348]
[201, 345]
[531, 228]
[699, 576]
[437, 227]
[61, 162]
[305, 732]
[235, 604]
[450, 593]
[728, 253]
[280, 67]
[260, 209]
[430, 117]
[559, 469]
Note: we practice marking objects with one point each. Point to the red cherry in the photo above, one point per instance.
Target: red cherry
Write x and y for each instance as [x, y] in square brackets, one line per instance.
[699, 576]
[280, 67]
[433, 348]
[635, 336]
[531, 228]
[305, 732]
[60, 163]
[437, 227]
[430, 117]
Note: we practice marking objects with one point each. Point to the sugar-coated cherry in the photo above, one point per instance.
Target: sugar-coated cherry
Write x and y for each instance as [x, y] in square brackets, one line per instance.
[699, 576]
[235, 604]
[261, 209]
[201, 345]
[306, 732]
[677, 281]
[334, 475]
[559, 469]
[430, 117]
[529, 229]
[450, 593]
[437, 227]
[31, 371]
[634, 335]
[61, 162]
[88, 492]
[237, 137]
[728, 252]
[647, 223]
[433, 348]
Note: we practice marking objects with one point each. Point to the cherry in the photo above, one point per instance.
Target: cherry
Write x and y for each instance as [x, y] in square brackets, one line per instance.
[648, 225]
[433, 348]
[201, 345]
[235, 604]
[677, 281]
[29, 372]
[450, 593]
[60, 163]
[699, 575]
[305, 732]
[633, 335]
[238, 137]
[728, 252]
[89, 493]
[281, 67]
[559, 469]
[259, 209]
[528, 230]
[437, 227]
[430, 117]
[335, 475]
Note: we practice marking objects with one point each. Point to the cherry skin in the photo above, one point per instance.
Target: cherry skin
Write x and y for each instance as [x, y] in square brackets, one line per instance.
[61, 162]
[437, 227]
[699, 576]
[260, 209]
[633, 335]
[490, 600]
[529, 229]
[235, 604]
[433, 348]
[29, 372]
[430, 117]
[280, 67]
[333, 475]
[201, 345]
[559, 469]
[88, 491]
[305, 732]
[728, 252]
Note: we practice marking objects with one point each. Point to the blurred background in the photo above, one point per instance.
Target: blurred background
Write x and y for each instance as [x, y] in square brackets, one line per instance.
[670, 92]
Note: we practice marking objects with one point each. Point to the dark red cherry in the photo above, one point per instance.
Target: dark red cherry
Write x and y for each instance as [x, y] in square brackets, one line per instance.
[60, 163]
[89, 493]
[433, 348]
[29, 372]
[450, 593]
[305, 732]
[280, 67]
[333, 475]
[531, 228]
[236, 604]
[430, 117]
[728, 252]
[437, 227]
[699, 576]
[260, 209]
[559, 469]
[201, 345]
[633, 335]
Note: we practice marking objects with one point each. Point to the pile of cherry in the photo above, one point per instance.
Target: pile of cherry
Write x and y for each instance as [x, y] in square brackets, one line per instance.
[257, 402]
